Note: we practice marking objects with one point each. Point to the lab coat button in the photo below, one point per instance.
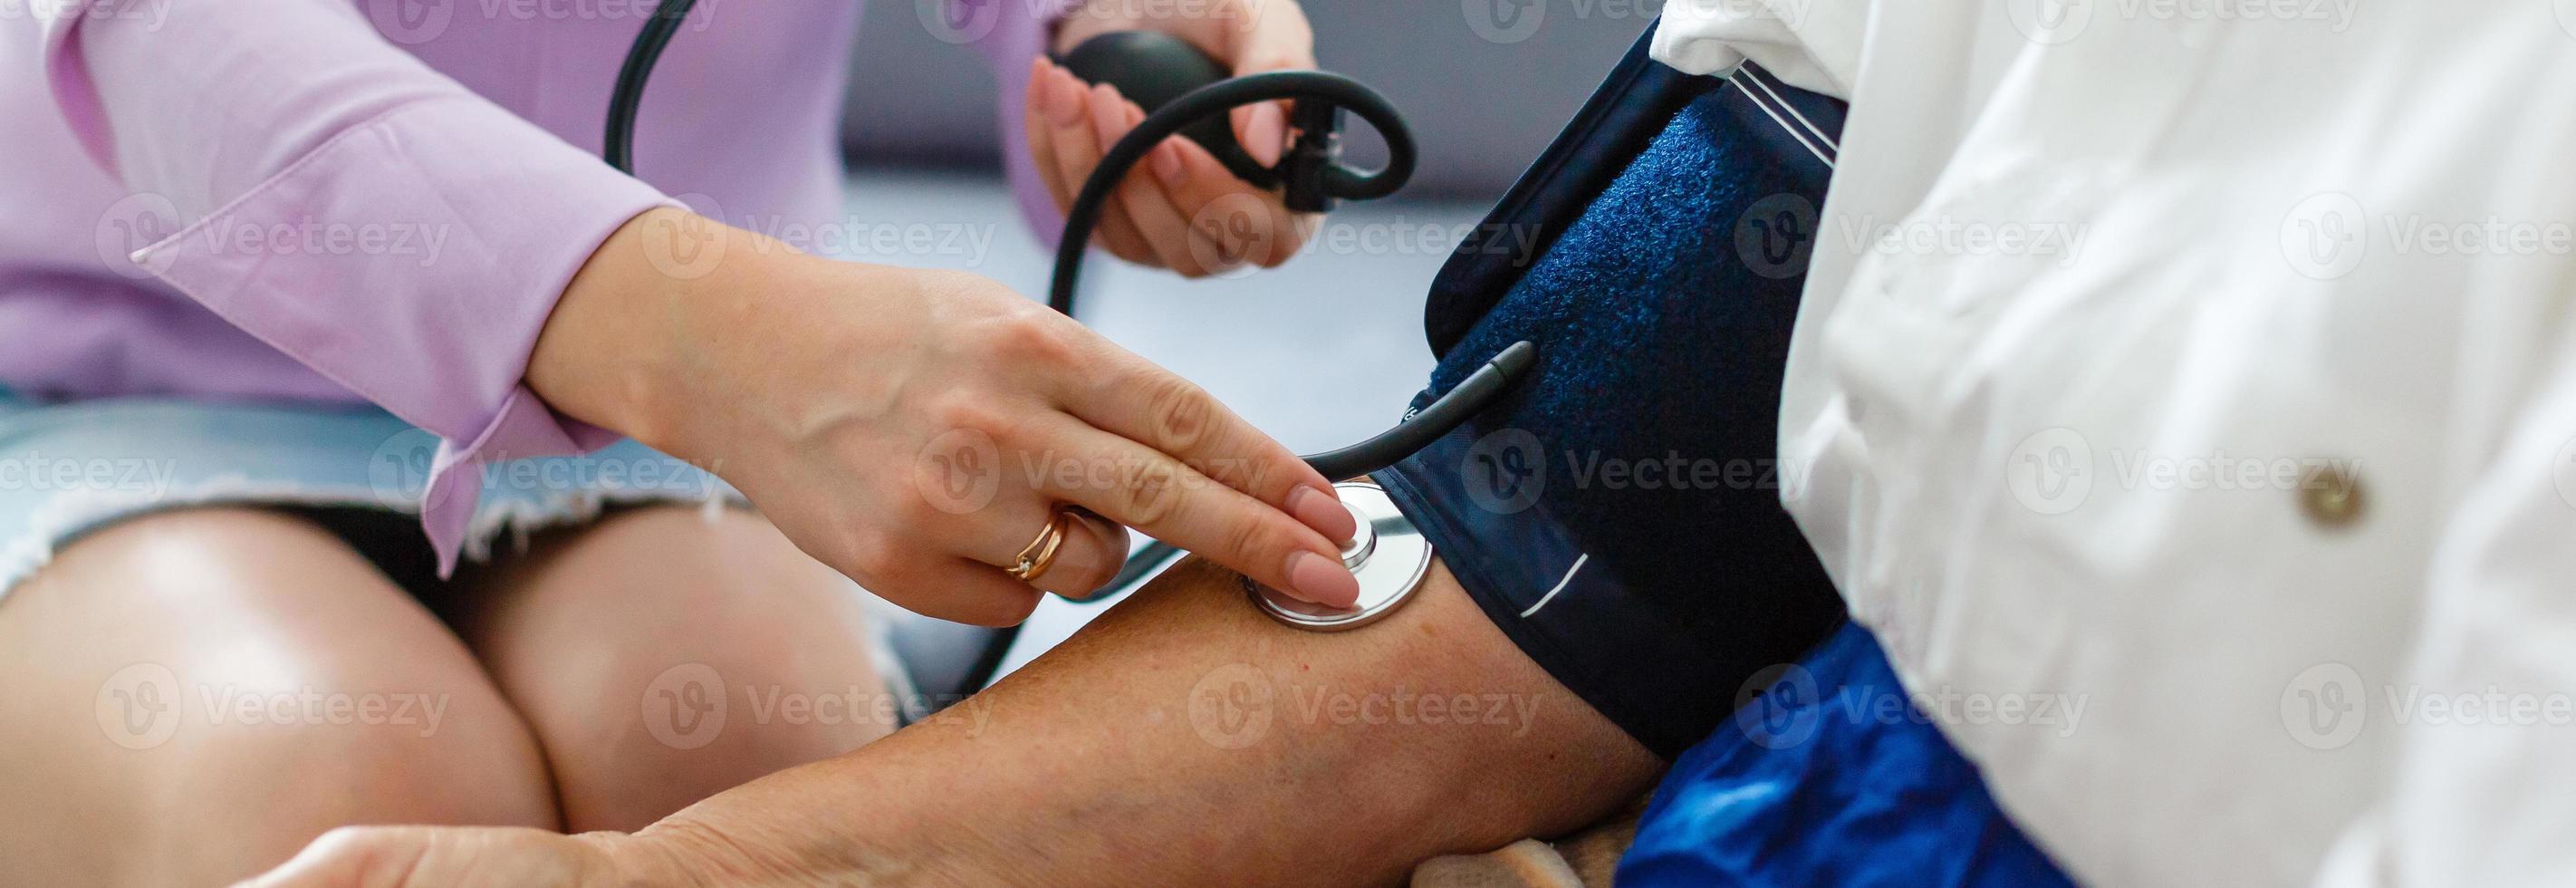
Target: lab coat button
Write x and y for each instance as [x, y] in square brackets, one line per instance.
[2332, 497]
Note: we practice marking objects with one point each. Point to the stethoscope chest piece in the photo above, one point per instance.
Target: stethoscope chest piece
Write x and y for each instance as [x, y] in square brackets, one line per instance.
[1388, 555]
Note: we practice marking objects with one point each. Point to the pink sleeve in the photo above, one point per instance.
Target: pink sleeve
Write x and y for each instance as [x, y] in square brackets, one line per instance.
[352, 207]
[1011, 34]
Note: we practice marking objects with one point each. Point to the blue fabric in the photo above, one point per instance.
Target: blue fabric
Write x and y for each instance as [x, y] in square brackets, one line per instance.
[1661, 345]
[1830, 778]
[70, 468]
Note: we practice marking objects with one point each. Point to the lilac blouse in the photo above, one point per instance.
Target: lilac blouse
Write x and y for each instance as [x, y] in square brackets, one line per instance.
[381, 200]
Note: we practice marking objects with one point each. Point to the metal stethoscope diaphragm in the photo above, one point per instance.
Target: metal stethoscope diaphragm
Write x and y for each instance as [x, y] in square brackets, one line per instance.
[1388, 555]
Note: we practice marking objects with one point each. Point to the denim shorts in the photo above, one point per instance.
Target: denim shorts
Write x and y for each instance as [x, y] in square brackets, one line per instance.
[71, 468]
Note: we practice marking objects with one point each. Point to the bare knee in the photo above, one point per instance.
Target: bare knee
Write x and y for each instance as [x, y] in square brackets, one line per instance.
[222, 685]
[665, 655]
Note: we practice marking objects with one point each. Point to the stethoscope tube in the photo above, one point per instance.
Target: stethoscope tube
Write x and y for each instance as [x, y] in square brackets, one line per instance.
[1307, 169]
[1309, 174]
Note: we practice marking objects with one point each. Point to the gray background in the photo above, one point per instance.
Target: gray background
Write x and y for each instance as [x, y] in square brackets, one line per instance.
[1481, 108]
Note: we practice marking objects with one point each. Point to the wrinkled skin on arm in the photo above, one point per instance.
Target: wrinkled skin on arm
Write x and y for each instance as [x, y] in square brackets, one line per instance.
[1181, 739]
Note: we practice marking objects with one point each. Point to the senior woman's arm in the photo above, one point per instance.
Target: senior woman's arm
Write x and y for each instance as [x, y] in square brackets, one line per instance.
[1181, 739]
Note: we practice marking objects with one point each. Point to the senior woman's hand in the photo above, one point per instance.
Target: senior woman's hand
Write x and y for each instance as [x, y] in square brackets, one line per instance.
[1181, 209]
[916, 430]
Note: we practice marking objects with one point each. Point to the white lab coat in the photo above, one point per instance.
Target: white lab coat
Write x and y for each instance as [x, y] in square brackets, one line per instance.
[2267, 456]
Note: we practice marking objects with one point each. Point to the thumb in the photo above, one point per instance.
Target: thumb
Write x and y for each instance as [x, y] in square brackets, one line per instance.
[1272, 35]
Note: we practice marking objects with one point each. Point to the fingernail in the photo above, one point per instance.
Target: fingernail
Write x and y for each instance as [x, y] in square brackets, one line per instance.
[1265, 134]
[1108, 111]
[1322, 580]
[1063, 99]
[1324, 512]
[1168, 166]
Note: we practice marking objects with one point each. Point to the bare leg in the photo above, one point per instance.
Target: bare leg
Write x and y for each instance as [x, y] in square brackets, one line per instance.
[195, 695]
[1183, 739]
[664, 655]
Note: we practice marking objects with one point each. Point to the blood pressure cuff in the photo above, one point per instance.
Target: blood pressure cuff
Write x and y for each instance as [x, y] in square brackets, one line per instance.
[1618, 513]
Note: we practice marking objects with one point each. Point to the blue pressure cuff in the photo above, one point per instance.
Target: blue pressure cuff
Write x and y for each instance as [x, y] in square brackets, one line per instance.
[1618, 514]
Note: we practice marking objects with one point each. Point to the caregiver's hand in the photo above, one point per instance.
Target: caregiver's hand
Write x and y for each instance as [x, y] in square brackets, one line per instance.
[917, 429]
[1180, 209]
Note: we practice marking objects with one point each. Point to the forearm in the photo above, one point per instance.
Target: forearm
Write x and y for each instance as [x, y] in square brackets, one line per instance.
[1183, 739]
[647, 326]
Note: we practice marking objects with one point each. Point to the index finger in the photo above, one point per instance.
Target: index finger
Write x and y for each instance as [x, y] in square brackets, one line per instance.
[1163, 497]
[1158, 409]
